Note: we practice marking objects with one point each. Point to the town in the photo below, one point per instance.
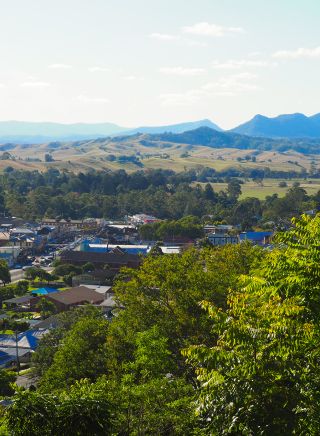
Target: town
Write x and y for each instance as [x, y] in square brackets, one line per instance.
[62, 264]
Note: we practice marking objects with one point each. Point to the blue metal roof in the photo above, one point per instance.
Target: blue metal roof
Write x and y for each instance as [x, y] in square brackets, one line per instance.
[44, 291]
[254, 236]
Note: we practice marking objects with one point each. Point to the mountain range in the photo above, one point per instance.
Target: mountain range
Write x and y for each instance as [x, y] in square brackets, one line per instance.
[290, 126]
[22, 132]
[212, 138]
[283, 126]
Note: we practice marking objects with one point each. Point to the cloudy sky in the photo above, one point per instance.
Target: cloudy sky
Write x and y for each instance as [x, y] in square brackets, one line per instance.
[151, 62]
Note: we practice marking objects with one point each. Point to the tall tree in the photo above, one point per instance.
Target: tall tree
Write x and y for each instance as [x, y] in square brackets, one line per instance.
[261, 374]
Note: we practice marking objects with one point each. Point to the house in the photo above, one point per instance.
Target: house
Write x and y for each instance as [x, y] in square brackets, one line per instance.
[4, 238]
[106, 291]
[114, 260]
[97, 277]
[72, 297]
[218, 228]
[19, 348]
[10, 254]
[108, 305]
[19, 303]
[256, 238]
[9, 356]
[219, 239]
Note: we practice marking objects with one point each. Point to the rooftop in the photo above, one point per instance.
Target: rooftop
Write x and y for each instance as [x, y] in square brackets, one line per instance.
[77, 295]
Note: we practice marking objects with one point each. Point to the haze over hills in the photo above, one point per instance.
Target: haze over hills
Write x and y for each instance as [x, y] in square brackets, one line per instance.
[291, 126]
[23, 132]
[39, 132]
[175, 128]
[283, 126]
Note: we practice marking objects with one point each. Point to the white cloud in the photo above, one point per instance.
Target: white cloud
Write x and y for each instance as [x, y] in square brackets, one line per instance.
[234, 83]
[181, 99]
[130, 78]
[164, 37]
[86, 99]
[60, 66]
[228, 86]
[181, 71]
[238, 64]
[98, 70]
[35, 84]
[299, 53]
[207, 29]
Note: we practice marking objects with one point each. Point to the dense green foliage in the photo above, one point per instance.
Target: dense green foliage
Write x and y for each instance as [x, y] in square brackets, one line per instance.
[34, 414]
[212, 138]
[7, 378]
[261, 373]
[211, 341]
[186, 227]
[165, 194]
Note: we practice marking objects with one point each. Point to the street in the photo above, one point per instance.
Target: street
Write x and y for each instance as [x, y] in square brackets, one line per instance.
[18, 274]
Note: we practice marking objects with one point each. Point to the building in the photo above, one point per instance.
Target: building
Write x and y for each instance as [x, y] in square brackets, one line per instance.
[106, 291]
[19, 303]
[74, 297]
[131, 249]
[218, 228]
[114, 260]
[20, 348]
[256, 238]
[107, 248]
[69, 224]
[10, 254]
[142, 218]
[4, 238]
[97, 277]
[219, 239]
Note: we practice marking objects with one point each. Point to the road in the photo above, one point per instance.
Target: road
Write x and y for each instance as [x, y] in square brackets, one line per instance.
[18, 274]
[26, 380]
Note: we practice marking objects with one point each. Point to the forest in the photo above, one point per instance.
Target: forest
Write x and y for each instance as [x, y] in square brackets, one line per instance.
[162, 193]
[213, 341]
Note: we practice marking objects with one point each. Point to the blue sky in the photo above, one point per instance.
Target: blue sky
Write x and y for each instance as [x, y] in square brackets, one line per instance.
[150, 62]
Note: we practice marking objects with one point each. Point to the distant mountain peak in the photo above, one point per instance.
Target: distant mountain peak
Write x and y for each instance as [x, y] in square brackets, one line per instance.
[24, 132]
[174, 128]
[296, 125]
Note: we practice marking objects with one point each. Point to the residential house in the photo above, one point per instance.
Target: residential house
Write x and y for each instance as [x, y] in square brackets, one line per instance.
[219, 239]
[4, 238]
[20, 347]
[19, 303]
[74, 297]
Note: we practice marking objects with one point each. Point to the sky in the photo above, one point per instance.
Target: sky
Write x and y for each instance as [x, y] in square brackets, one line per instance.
[158, 62]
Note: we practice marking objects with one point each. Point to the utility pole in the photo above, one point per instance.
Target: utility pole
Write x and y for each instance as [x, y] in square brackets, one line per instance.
[17, 352]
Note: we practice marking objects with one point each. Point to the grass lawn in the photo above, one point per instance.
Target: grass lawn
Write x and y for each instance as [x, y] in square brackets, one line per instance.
[270, 187]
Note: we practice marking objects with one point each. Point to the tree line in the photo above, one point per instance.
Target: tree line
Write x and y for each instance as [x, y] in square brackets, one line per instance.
[167, 195]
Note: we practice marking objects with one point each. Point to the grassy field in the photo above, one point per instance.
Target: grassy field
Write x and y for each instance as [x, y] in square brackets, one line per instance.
[269, 187]
[88, 155]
